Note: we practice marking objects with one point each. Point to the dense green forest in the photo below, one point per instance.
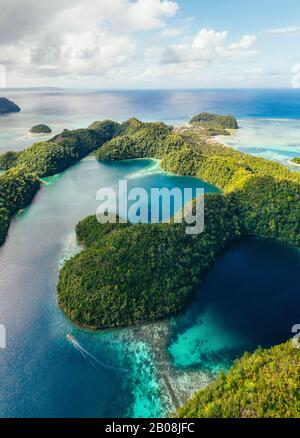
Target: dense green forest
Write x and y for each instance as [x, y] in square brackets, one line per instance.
[226, 122]
[50, 157]
[17, 188]
[129, 274]
[119, 278]
[132, 266]
[138, 140]
[23, 169]
[8, 160]
[267, 193]
[265, 384]
[40, 129]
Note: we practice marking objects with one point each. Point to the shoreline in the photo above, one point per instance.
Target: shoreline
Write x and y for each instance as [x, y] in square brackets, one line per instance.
[292, 163]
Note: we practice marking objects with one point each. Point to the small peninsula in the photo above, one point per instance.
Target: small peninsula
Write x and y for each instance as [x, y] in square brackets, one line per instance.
[295, 161]
[40, 129]
[132, 273]
[258, 198]
[7, 106]
[214, 124]
[23, 170]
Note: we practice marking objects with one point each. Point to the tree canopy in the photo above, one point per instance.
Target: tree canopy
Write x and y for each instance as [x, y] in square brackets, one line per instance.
[265, 384]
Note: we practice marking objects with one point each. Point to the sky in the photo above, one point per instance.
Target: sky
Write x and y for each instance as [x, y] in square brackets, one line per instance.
[124, 44]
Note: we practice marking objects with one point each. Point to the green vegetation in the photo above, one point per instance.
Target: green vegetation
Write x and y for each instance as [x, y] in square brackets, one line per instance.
[138, 140]
[6, 106]
[129, 273]
[17, 189]
[267, 193]
[8, 160]
[214, 130]
[227, 122]
[18, 186]
[107, 129]
[50, 157]
[140, 272]
[89, 231]
[40, 129]
[265, 384]
[296, 160]
[23, 169]
[133, 273]
[4, 221]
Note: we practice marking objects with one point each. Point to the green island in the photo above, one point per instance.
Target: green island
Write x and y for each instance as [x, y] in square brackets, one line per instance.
[265, 384]
[7, 106]
[128, 274]
[296, 161]
[24, 170]
[213, 124]
[119, 278]
[40, 129]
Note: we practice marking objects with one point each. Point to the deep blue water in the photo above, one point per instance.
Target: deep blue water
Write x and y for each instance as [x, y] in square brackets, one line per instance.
[269, 119]
[41, 373]
[69, 109]
[250, 297]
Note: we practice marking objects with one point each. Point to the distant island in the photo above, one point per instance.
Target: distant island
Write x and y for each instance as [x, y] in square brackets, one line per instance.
[40, 129]
[257, 198]
[214, 124]
[7, 106]
[295, 161]
[132, 273]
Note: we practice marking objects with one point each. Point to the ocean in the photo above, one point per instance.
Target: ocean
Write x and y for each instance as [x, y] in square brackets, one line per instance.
[269, 119]
[249, 298]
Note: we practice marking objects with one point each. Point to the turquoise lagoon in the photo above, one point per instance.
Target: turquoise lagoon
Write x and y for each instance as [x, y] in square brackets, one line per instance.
[249, 297]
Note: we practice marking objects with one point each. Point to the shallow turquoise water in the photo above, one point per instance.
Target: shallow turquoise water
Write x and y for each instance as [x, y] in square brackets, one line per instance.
[270, 119]
[41, 373]
[249, 298]
[273, 139]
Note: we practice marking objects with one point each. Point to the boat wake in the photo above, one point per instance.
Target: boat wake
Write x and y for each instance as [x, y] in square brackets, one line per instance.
[91, 359]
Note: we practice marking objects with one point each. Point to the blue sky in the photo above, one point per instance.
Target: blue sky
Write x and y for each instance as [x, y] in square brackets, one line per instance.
[242, 15]
[150, 43]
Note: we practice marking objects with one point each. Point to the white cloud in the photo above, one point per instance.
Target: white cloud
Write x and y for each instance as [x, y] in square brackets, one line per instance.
[253, 70]
[76, 38]
[207, 47]
[296, 76]
[285, 30]
[245, 43]
[148, 14]
[209, 39]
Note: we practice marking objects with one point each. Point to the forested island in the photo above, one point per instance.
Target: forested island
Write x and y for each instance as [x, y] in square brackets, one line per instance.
[119, 278]
[213, 124]
[130, 274]
[40, 129]
[7, 106]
